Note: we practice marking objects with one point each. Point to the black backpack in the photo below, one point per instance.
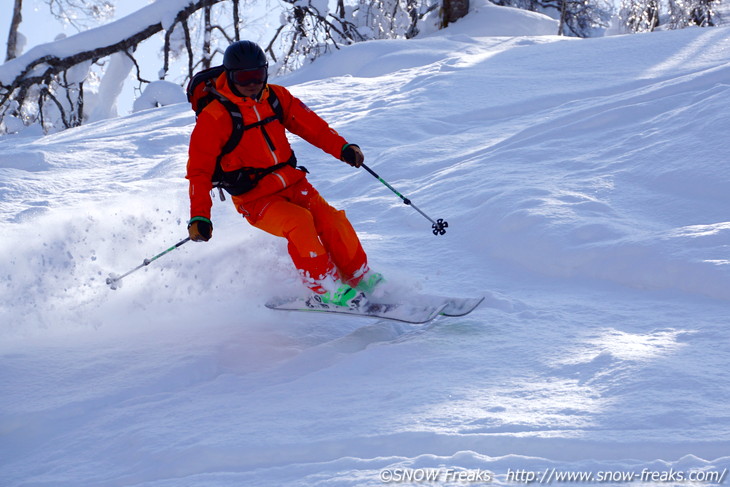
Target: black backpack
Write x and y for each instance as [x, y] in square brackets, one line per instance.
[201, 92]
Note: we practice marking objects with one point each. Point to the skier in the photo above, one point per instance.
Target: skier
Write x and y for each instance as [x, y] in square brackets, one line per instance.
[275, 195]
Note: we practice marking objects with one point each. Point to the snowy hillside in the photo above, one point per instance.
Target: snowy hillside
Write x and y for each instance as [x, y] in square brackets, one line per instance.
[587, 190]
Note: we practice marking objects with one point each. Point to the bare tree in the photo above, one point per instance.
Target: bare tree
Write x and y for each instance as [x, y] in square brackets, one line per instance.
[639, 15]
[453, 10]
[309, 33]
[81, 14]
[212, 33]
[531, 5]
[704, 13]
[57, 81]
[579, 18]
[311, 29]
[73, 12]
[685, 13]
[17, 18]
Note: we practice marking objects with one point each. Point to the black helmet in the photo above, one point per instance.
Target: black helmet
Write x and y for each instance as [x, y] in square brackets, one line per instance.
[244, 55]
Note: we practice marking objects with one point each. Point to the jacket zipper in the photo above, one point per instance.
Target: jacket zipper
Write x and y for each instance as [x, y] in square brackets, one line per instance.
[271, 147]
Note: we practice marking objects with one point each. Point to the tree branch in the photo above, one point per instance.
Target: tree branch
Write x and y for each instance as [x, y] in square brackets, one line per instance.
[52, 66]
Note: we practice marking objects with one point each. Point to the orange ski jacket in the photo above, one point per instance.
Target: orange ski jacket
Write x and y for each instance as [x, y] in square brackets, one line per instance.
[261, 146]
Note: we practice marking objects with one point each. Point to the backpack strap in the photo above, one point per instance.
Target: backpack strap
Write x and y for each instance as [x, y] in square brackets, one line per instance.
[276, 104]
[237, 118]
[237, 130]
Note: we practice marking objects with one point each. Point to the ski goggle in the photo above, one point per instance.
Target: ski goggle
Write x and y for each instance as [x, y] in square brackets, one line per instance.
[248, 76]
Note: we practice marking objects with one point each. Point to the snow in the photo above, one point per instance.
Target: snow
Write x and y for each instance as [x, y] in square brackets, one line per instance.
[159, 93]
[103, 104]
[586, 189]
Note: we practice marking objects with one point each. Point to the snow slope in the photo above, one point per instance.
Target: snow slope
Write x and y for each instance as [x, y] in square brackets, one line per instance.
[586, 187]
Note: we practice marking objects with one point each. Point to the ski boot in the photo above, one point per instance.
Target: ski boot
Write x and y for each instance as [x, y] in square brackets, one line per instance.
[344, 296]
[369, 282]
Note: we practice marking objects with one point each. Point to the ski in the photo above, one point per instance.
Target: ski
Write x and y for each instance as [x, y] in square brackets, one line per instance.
[452, 306]
[403, 312]
[460, 306]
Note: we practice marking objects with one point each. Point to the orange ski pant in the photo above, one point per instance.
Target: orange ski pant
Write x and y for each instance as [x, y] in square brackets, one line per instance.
[321, 241]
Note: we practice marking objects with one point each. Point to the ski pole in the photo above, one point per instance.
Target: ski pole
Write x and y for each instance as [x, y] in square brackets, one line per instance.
[113, 279]
[439, 226]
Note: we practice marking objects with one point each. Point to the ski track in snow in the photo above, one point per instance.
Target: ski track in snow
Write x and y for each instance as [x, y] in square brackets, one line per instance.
[586, 189]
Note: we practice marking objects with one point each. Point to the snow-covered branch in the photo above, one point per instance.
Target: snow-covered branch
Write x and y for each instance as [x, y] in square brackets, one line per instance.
[37, 76]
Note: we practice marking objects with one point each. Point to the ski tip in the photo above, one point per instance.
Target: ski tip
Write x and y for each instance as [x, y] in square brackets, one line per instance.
[461, 306]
